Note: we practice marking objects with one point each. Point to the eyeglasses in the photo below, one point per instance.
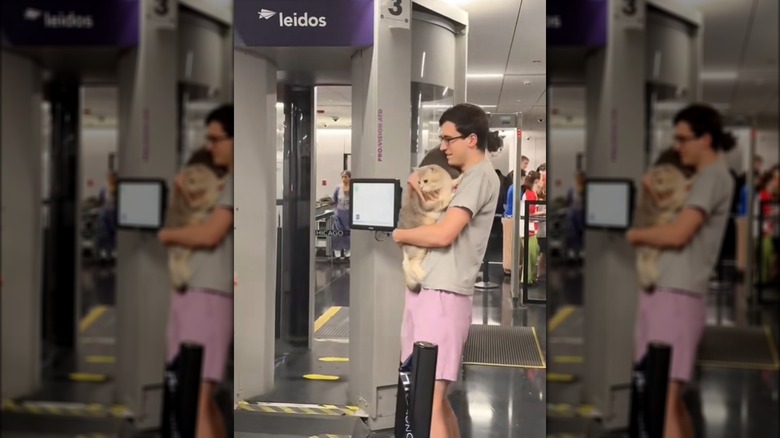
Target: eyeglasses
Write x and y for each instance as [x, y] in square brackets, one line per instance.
[211, 139]
[449, 140]
[679, 139]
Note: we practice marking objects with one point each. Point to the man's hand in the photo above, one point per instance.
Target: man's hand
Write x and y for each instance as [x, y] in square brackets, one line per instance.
[631, 236]
[162, 236]
[414, 184]
[397, 236]
[179, 182]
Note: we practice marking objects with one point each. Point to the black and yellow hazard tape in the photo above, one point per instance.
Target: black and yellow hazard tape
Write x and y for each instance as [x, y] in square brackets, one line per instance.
[561, 378]
[101, 359]
[322, 377]
[568, 359]
[91, 317]
[66, 409]
[88, 377]
[334, 359]
[572, 411]
[301, 409]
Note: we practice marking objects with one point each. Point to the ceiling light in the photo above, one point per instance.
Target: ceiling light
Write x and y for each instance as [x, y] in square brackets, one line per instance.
[485, 106]
[484, 75]
[718, 75]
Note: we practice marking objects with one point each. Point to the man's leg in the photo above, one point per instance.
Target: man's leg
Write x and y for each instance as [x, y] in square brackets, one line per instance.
[678, 420]
[442, 411]
[444, 319]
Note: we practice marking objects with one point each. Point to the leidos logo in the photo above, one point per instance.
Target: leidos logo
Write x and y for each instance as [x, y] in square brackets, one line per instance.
[295, 20]
[60, 20]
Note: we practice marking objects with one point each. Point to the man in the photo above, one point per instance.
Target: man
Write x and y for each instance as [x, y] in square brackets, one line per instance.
[441, 311]
[204, 312]
[675, 313]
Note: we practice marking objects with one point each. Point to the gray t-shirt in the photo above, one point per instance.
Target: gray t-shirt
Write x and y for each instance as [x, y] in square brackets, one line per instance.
[689, 269]
[212, 269]
[454, 269]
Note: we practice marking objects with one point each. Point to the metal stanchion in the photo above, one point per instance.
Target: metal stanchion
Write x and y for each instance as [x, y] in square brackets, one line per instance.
[414, 403]
[485, 284]
[649, 393]
[180, 407]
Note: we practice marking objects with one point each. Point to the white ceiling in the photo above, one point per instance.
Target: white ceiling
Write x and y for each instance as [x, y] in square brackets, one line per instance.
[740, 63]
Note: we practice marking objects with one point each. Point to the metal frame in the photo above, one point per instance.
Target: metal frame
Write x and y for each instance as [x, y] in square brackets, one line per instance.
[759, 284]
[526, 216]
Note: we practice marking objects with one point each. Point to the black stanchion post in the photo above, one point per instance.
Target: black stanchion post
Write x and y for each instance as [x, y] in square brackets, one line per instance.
[649, 393]
[414, 402]
[659, 358]
[190, 364]
[526, 244]
[424, 361]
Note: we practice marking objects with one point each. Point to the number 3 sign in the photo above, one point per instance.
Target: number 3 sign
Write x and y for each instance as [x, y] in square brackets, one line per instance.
[161, 14]
[397, 13]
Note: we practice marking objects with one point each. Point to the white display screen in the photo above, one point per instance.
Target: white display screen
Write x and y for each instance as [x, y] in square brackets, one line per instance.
[608, 204]
[140, 204]
[374, 204]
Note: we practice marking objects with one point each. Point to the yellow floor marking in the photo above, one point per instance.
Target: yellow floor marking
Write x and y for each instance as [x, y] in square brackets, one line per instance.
[87, 377]
[309, 411]
[288, 410]
[320, 377]
[334, 359]
[91, 317]
[560, 317]
[567, 359]
[538, 347]
[101, 359]
[267, 409]
[555, 377]
[325, 317]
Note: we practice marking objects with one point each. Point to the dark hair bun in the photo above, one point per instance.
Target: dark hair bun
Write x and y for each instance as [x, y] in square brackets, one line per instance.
[494, 142]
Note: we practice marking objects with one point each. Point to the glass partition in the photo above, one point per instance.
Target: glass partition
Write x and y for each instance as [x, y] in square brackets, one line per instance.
[428, 103]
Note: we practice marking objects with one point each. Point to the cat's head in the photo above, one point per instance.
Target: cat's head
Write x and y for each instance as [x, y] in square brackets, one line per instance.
[434, 179]
[669, 183]
[202, 185]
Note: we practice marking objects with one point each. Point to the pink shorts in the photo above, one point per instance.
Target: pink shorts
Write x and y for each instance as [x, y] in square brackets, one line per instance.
[442, 318]
[205, 318]
[676, 318]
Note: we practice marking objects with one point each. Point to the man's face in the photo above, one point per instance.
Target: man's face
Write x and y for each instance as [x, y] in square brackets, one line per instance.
[758, 164]
[688, 145]
[524, 165]
[219, 144]
[455, 146]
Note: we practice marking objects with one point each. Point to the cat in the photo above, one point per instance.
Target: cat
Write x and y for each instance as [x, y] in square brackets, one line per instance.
[437, 186]
[201, 184]
[670, 182]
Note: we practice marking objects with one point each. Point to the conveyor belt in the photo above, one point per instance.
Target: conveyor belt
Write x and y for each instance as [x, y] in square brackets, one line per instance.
[736, 347]
[493, 345]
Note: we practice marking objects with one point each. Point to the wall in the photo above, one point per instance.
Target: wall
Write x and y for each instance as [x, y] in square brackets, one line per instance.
[331, 145]
[565, 144]
[96, 145]
[533, 146]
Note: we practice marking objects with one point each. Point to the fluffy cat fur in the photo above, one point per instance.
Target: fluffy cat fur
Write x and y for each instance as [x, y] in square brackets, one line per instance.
[437, 187]
[202, 182]
[670, 180]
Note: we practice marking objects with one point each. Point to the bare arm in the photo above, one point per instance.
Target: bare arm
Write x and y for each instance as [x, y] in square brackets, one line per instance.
[438, 235]
[206, 235]
[674, 235]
